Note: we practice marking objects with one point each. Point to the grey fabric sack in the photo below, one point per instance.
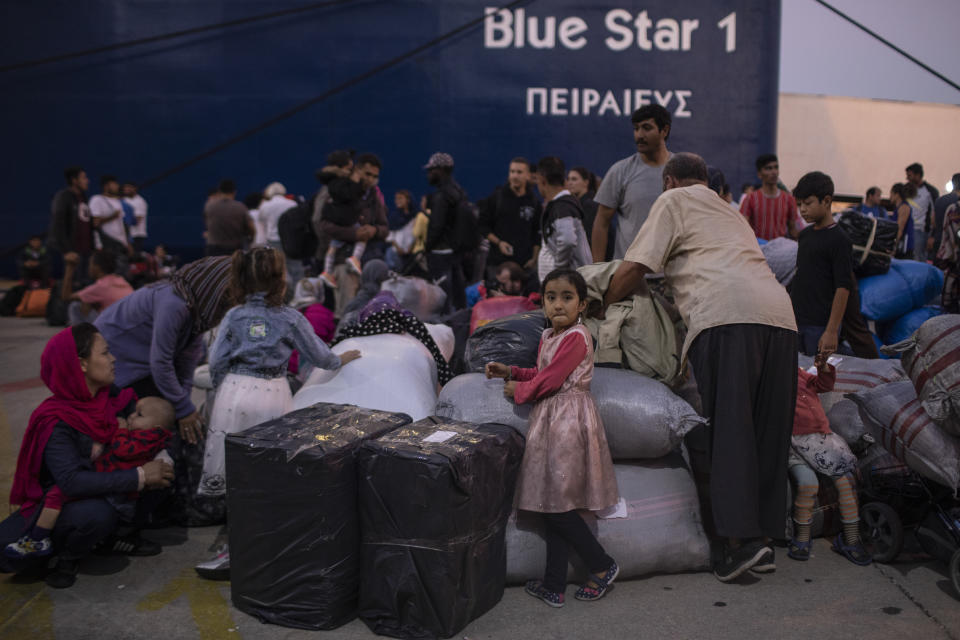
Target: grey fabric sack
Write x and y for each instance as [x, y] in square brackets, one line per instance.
[845, 421]
[423, 299]
[641, 417]
[662, 533]
[781, 255]
[858, 374]
[893, 415]
[472, 398]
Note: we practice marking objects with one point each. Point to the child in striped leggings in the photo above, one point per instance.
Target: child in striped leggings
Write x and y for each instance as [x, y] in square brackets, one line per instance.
[816, 449]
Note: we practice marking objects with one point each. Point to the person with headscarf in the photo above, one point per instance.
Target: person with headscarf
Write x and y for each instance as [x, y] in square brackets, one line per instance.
[155, 334]
[57, 451]
[373, 275]
[384, 314]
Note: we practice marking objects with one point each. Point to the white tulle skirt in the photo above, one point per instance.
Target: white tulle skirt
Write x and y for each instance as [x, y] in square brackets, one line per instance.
[241, 402]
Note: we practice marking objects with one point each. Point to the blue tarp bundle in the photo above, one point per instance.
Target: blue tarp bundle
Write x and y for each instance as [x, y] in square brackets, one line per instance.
[907, 286]
[905, 325]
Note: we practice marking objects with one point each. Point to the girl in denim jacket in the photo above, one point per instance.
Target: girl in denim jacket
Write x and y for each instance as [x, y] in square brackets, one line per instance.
[248, 361]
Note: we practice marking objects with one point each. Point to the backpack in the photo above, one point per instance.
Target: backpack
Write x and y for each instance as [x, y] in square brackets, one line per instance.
[297, 237]
[10, 301]
[57, 307]
[33, 304]
[465, 236]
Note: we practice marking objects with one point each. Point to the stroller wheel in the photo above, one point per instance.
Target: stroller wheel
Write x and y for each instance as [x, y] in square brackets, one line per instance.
[955, 571]
[881, 531]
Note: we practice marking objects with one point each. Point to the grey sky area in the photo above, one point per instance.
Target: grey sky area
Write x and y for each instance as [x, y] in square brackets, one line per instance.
[821, 53]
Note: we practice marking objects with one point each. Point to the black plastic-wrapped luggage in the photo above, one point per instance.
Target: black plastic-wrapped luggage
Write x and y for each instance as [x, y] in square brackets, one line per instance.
[873, 242]
[435, 496]
[292, 500]
[511, 340]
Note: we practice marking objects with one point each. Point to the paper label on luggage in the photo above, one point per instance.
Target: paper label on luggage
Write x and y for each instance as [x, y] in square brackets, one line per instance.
[618, 510]
[440, 436]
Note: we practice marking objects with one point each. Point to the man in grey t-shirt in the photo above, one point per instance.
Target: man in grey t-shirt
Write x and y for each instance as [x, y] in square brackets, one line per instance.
[632, 184]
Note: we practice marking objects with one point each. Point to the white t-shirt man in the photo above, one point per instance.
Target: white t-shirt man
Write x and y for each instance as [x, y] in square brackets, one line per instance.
[139, 230]
[270, 212]
[924, 203]
[630, 188]
[260, 238]
[102, 206]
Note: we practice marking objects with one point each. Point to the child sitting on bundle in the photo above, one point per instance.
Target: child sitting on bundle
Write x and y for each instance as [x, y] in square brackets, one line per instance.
[816, 449]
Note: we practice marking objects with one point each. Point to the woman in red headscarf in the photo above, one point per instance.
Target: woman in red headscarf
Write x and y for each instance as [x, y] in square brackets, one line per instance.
[55, 455]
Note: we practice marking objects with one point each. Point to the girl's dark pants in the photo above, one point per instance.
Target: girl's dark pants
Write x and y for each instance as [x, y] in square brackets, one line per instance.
[563, 531]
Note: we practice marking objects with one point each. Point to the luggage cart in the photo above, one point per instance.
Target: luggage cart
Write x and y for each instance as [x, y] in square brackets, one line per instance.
[893, 498]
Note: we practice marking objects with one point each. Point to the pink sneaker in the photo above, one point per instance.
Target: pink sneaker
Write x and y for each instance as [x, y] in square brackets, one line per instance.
[354, 265]
[329, 279]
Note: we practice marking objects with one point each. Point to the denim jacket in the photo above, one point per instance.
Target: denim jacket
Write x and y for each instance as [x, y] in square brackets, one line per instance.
[257, 340]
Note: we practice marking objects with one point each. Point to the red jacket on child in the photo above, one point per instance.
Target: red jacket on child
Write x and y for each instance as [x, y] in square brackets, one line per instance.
[809, 416]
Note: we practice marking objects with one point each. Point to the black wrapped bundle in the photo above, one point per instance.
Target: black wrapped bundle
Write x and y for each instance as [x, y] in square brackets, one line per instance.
[292, 499]
[880, 235]
[434, 501]
[511, 340]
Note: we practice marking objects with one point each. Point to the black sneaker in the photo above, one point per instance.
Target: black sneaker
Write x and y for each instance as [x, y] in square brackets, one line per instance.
[64, 574]
[767, 563]
[736, 561]
[128, 545]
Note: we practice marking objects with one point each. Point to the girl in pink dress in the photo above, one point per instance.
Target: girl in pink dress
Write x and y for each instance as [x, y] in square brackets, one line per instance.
[566, 465]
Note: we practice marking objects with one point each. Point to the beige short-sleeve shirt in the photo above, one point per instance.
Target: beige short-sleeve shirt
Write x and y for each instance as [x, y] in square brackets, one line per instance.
[710, 257]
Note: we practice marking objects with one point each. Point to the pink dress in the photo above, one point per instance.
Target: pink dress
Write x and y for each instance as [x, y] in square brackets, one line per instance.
[566, 464]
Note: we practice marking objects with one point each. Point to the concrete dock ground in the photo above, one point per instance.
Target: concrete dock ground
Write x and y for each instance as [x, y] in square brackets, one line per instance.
[161, 597]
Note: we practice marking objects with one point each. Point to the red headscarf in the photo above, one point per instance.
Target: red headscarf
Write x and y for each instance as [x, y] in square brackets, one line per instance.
[70, 403]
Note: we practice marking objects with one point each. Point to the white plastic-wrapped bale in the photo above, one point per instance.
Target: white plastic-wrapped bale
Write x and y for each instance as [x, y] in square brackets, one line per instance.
[662, 533]
[642, 418]
[781, 255]
[443, 336]
[931, 357]
[394, 373]
[424, 299]
[893, 415]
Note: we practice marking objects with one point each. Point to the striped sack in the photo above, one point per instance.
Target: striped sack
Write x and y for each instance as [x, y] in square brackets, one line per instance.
[931, 358]
[858, 374]
[894, 416]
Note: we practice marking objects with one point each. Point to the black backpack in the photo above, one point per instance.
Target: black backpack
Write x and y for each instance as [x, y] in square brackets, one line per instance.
[296, 232]
[11, 300]
[465, 236]
[57, 314]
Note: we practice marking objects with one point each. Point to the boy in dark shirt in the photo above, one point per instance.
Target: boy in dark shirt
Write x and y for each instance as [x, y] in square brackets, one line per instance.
[824, 268]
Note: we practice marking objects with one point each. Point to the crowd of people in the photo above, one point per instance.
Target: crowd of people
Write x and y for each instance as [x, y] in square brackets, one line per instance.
[92, 447]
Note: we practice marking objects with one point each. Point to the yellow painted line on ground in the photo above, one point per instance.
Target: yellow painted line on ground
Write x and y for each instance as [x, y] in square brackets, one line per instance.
[208, 607]
[26, 611]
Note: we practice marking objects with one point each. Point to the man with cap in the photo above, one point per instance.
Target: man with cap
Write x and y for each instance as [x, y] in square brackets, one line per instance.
[443, 205]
